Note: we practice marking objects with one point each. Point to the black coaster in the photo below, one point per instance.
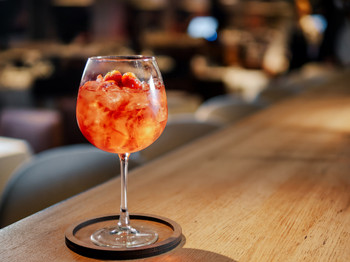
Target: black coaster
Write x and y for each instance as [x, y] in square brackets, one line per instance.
[78, 237]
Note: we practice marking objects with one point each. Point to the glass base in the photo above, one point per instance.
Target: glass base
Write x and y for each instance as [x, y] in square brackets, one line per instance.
[117, 237]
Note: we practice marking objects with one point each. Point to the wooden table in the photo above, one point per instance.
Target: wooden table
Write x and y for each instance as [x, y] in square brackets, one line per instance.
[274, 187]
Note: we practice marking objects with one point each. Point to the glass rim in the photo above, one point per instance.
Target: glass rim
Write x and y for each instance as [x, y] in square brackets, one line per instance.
[114, 58]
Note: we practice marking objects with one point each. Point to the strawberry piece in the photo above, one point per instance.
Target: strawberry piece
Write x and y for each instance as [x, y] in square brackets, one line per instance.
[115, 76]
[99, 78]
[130, 80]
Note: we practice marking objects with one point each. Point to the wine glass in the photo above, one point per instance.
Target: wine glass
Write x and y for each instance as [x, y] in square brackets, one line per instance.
[122, 109]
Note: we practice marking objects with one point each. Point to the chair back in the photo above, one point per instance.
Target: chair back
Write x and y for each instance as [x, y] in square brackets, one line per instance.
[226, 109]
[177, 132]
[54, 175]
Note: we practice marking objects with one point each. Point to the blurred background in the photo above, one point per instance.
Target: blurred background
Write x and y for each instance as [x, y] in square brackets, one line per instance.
[221, 60]
[253, 51]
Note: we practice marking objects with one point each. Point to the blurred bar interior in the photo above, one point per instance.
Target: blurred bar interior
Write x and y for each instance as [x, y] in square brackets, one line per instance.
[254, 52]
[205, 48]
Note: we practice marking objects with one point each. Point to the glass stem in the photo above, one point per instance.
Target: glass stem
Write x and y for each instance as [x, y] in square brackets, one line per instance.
[124, 220]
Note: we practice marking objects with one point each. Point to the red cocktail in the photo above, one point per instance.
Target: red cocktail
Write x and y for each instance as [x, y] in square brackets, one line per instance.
[122, 108]
[121, 114]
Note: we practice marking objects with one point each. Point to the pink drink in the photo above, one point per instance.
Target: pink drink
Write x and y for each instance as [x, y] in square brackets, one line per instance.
[121, 114]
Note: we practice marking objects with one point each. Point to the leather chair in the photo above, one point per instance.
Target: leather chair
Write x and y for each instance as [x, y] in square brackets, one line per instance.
[226, 109]
[179, 131]
[54, 175]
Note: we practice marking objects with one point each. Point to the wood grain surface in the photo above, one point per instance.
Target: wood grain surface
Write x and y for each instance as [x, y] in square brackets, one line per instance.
[274, 187]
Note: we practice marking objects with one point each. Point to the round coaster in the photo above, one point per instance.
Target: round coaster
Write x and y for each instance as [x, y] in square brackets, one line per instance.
[78, 237]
